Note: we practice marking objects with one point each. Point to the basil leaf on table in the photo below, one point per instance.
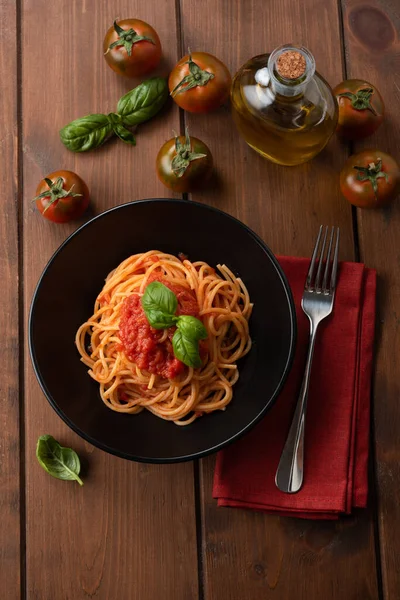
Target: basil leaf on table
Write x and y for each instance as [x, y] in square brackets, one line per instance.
[62, 463]
[122, 132]
[86, 133]
[191, 328]
[186, 349]
[159, 319]
[157, 297]
[143, 102]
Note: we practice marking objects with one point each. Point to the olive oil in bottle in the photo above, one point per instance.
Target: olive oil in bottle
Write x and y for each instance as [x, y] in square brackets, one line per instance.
[282, 107]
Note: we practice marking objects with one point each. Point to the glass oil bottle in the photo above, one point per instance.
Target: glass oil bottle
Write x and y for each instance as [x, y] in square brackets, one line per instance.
[282, 107]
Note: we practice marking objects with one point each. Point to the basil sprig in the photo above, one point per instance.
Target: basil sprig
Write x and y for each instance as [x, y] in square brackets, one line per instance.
[86, 133]
[59, 462]
[135, 107]
[143, 102]
[159, 304]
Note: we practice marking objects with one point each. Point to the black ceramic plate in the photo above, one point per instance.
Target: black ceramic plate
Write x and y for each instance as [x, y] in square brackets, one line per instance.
[73, 278]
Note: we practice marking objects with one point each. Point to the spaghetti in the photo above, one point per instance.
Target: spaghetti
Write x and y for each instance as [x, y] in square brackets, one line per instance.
[134, 363]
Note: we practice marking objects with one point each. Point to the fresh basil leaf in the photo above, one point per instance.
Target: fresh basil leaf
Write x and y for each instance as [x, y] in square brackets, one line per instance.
[186, 350]
[86, 133]
[159, 298]
[159, 319]
[62, 463]
[143, 102]
[124, 134]
[191, 327]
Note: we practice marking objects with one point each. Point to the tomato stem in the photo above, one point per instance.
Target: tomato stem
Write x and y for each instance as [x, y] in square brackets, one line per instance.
[127, 38]
[196, 78]
[361, 100]
[372, 173]
[184, 155]
[55, 192]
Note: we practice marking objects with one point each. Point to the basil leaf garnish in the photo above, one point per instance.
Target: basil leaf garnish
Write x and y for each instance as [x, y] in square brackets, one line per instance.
[160, 304]
[191, 327]
[86, 133]
[158, 297]
[62, 463]
[186, 349]
[143, 102]
[159, 319]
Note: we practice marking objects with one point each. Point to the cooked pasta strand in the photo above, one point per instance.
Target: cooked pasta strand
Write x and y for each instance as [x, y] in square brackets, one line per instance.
[224, 308]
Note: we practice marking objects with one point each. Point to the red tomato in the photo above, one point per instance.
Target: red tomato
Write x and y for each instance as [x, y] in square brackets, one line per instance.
[132, 48]
[370, 179]
[184, 163]
[361, 108]
[62, 196]
[199, 82]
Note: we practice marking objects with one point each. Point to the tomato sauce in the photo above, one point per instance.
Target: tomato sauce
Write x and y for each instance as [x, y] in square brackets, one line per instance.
[141, 342]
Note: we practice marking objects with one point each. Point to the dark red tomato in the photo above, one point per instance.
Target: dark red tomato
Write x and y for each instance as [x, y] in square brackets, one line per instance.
[361, 109]
[141, 342]
[200, 82]
[132, 48]
[370, 179]
[184, 164]
[62, 196]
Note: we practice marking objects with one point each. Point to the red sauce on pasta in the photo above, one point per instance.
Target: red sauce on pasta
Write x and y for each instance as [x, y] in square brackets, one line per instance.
[141, 342]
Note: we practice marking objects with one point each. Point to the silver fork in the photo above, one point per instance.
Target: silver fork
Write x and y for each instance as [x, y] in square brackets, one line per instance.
[317, 303]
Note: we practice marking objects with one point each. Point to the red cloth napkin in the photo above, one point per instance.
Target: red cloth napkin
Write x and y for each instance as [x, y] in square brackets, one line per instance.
[338, 413]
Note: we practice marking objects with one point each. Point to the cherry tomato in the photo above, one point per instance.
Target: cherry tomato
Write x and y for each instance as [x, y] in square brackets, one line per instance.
[184, 163]
[361, 109]
[199, 82]
[370, 179]
[62, 196]
[132, 47]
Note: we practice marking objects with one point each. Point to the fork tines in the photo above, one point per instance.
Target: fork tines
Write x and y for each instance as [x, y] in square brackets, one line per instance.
[324, 263]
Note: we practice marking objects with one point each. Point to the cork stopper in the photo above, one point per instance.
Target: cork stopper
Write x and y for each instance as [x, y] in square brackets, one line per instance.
[291, 64]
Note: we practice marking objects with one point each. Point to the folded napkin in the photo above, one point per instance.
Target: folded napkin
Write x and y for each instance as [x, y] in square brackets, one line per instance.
[338, 413]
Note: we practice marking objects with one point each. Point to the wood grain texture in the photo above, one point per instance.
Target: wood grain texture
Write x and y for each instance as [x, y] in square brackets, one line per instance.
[247, 554]
[9, 382]
[129, 533]
[372, 33]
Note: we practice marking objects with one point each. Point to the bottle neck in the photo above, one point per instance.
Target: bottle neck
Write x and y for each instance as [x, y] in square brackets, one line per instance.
[290, 69]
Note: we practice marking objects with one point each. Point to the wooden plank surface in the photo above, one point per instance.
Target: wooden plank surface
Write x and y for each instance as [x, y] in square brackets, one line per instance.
[129, 533]
[372, 33]
[10, 501]
[247, 554]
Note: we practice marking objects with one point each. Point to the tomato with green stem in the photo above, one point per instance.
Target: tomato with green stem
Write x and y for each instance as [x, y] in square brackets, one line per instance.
[200, 82]
[62, 196]
[132, 47]
[361, 109]
[184, 163]
[370, 179]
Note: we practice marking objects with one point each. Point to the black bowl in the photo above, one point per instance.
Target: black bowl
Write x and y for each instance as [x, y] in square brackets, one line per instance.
[64, 299]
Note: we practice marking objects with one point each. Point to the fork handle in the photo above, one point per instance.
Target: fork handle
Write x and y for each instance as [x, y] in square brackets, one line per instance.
[289, 475]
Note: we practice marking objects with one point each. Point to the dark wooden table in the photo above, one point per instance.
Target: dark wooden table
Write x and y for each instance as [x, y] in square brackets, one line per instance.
[142, 532]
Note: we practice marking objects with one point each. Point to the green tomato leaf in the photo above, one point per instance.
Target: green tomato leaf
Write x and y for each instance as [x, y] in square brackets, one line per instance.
[62, 463]
[186, 349]
[159, 319]
[143, 102]
[157, 297]
[191, 328]
[86, 133]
